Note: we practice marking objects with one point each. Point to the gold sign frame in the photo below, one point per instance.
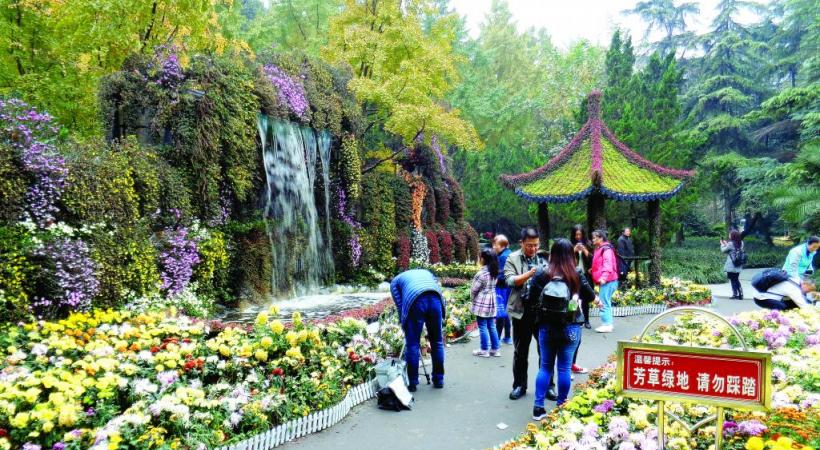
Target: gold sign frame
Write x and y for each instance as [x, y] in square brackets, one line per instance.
[751, 405]
[661, 398]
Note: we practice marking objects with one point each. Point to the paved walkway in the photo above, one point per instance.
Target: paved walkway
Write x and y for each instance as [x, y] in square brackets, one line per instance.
[465, 414]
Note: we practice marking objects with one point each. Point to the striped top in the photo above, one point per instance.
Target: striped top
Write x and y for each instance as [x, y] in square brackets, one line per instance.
[482, 293]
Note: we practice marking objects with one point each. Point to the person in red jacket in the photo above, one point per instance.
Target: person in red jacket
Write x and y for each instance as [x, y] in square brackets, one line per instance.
[605, 275]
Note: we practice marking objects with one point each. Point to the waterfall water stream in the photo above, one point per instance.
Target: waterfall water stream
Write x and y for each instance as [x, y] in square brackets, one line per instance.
[301, 252]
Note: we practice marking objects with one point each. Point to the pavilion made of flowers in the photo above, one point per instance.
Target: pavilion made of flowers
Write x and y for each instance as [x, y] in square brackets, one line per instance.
[595, 165]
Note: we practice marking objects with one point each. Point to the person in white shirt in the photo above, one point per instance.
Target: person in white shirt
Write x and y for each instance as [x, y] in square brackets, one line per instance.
[788, 294]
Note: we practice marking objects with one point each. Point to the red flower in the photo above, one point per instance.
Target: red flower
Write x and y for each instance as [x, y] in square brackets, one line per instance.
[154, 349]
[3, 433]
[278, 372]
[190, 365]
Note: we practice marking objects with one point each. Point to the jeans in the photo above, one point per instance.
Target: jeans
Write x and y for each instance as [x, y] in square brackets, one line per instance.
[734, 278]
[426, 310]
[562, 351]
[487, 333]
[606, 298]
[503, 327]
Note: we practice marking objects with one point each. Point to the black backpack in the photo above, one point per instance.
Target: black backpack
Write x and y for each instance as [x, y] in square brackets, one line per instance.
[623, 266]
[739, 257]
[554, 303]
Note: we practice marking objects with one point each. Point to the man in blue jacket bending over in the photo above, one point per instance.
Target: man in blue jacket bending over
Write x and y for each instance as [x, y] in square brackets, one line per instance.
[418, 300]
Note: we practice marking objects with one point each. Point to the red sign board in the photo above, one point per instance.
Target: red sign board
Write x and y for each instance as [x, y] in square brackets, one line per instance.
[707, 375]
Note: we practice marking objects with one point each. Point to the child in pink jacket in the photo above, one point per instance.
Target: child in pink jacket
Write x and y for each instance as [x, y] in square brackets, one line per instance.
[605, 275]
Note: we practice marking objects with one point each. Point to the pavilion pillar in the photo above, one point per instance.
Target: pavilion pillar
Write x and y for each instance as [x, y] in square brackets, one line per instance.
[544, 224]
[653, 209]
[596, 212]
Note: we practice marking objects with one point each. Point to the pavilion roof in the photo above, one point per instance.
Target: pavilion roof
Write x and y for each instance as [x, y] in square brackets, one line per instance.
[595, 160]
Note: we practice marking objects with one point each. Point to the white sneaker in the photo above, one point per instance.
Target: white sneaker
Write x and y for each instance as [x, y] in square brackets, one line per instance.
[481, 353]
[604, 329]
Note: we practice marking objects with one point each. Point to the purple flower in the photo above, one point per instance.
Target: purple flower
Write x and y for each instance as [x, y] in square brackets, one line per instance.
[729, 428]
[58, 446]
[778, 374]
[354, 242]
[751, 428]
[73, 275]
[178, 258]
[813, 339]
[167, 378]
[604, 407]
[30, 446]
[291, 92]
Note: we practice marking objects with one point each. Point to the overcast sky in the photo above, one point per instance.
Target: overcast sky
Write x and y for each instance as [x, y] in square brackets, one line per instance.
[569, 20]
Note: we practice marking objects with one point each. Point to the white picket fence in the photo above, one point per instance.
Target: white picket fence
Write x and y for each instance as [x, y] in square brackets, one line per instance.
[623, 311]
[312, 423]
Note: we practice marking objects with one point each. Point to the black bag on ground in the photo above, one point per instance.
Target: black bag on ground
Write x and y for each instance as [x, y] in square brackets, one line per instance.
[386, 399]
[768, 278]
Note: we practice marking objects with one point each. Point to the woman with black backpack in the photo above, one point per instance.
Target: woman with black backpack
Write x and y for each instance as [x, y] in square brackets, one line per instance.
[559, 319]
[735, 259]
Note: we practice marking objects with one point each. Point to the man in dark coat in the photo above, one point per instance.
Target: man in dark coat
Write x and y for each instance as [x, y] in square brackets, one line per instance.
[626, 250]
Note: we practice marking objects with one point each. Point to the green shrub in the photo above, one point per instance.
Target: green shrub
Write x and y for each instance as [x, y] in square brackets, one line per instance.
[126, 262]
[16, 271]
[250, 258]
[211, 274]
[379, 219]
[12, 186]
[699, 259]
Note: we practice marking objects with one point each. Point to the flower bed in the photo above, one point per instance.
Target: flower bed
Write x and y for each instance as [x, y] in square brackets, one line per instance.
[120, 380]
[595, 418]
[672, 292]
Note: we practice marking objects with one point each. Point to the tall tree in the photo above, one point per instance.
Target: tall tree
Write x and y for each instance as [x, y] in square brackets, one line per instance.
[515, 89]
[288, 24]
[52, 52]
[727, 82]
[401, 72]
[668, 18]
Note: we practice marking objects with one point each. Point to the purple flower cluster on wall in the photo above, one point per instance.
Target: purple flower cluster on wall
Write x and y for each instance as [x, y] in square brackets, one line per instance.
[170, 74]
[73, 276]
[354, 242]
[178, 258]
[291, 92]
[32, 134]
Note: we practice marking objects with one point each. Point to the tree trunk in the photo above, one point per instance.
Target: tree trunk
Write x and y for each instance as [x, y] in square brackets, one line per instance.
[596, 212]
[544, 224]
[653, 210]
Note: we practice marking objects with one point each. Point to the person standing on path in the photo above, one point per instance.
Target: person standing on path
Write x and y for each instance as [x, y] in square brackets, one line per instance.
[583, 253]
[799, 262]
[626, 250]
[559, 319]
[482, 295]
[502, 292]
[732, 247]
[419, 302]
[519, 271]
[605, 274]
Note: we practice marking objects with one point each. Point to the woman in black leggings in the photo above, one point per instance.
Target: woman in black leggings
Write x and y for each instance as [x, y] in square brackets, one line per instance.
[583, 256]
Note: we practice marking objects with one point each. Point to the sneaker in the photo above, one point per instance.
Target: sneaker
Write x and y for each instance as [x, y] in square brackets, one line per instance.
[496, 353]
[412, 387]
[577, 369]
[438, 384]
[538, 413]
[506, 341]
[604, 329]
[481, 353]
